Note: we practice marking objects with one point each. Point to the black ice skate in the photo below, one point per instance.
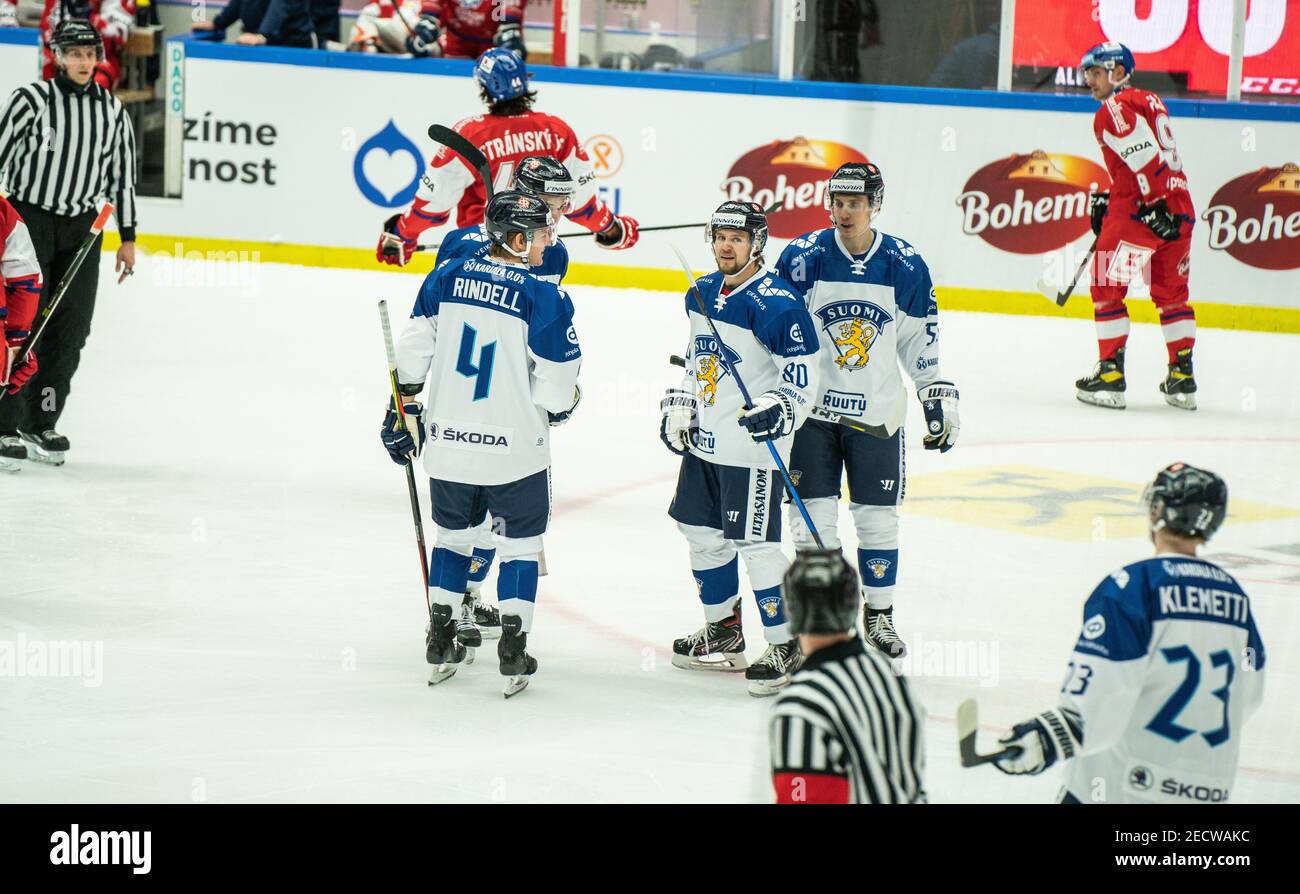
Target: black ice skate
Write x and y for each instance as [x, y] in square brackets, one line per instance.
[485, 617]
[1179, 388]
[441, 648]
[772, 671]
[1106, 386]
[879, 626]
[517, 666]
[718, 645]
[48, 447]
[467, 634]
[11, 448]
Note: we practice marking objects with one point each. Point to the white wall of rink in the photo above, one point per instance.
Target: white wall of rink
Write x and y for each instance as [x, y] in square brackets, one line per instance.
[301, 148]
[19, 57]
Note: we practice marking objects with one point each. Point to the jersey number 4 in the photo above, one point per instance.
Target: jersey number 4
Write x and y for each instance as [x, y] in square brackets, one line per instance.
[480, 372]
[1165, 722]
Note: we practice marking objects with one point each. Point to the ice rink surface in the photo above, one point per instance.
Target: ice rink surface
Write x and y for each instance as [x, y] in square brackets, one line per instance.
[231, 540]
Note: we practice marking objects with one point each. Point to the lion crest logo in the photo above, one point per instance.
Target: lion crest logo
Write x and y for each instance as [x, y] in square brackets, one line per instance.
[878, 567]
[852, 328]
[710, 370]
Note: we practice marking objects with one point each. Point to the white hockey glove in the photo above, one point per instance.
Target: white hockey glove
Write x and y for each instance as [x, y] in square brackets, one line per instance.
[1057, 733]
[680, 422]
[563, 416]
[939, 401]
[771, 417]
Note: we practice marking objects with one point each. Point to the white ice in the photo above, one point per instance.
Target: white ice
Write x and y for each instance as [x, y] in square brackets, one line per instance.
[230, 533]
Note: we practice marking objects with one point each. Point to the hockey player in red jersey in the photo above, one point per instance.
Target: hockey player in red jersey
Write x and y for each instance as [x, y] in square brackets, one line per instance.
[508, 133]
[111, 18]
[1143, 225]
[20, 292]
[471, 27]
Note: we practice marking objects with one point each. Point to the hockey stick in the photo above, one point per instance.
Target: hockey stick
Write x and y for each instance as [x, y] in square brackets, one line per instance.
[744, 394]
[968, 721]
[410, 466]
[96, 227]
[434, 246]
[876, 431]
[1060, 297]
[466, 150]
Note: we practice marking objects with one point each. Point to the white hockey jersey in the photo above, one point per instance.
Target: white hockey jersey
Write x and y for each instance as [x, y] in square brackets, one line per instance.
[872, 312]
[768, 339]
[1166, 671]
[498, 349]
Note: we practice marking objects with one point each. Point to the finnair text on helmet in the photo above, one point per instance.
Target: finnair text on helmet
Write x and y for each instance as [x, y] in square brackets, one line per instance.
[741, 189]
[978, 216]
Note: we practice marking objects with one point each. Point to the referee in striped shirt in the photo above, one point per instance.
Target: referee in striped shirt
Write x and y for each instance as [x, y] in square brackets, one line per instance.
[847, 730]
[65, 144]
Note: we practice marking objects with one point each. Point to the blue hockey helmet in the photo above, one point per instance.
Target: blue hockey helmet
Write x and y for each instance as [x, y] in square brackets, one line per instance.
[1107, 55]
[502, 74]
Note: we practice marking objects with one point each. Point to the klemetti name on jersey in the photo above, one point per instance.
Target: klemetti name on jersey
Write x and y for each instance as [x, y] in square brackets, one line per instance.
[1182, 599]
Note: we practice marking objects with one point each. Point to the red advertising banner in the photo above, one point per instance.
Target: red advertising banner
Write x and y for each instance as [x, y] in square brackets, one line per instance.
[1191, 37]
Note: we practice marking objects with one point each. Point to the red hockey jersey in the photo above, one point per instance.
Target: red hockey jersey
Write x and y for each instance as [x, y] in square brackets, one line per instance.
[471, 25]
[1137, 142]
[20, 275]
[505, 140]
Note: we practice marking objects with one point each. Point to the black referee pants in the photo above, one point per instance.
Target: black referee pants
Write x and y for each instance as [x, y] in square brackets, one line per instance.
[56, 239]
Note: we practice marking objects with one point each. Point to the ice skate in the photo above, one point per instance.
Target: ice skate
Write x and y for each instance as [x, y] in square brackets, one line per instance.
[718, 645]
[484, 616]
[441, 649]
[1179, 387]
[12, 449]
[517, 666]
[879, 626]
[770, 673]
[1105, 386]
[467, 633]
[48, 447]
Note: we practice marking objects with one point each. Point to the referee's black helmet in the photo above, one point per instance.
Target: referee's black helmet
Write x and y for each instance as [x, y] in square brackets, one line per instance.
[821, 593]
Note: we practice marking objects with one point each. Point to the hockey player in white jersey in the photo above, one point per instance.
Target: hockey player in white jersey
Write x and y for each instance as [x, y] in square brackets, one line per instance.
[1167, 669]
[728, 494]
[550, 181]
[500, 356]
[874, 307]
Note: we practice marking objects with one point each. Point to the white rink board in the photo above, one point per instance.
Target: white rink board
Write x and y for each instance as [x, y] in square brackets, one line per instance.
[677, 152]
[20, 59]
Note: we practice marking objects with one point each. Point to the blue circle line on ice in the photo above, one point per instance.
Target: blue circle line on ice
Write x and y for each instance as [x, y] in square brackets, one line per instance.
[393, 143]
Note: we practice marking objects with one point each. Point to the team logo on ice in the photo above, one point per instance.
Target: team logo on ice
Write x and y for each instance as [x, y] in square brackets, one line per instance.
[878, 567]
[771, 606]
[853, 327]
[709, 367]
[1094, 627]
[381, 172]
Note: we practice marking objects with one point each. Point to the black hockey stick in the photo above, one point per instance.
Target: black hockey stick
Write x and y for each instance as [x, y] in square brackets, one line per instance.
[473, 156]
[1062, 296]
[744, 394]
[434, 246]
[968, 721]
[410, 466]
[96, 228]
[822, 414]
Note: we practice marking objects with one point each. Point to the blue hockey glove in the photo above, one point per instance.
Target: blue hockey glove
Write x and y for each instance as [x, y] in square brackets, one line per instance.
[939, 401]
[402, 445]
[1055, 734]
[771, 417]
[423, 39]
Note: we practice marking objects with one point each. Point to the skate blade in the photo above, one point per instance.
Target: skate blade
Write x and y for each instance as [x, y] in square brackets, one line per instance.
[885, 652]
[442, 673]
[1113, 400]
[37, 455]
[1181, 401]
[764, 688]
[725, 661]
[515, 684]
[490, 632]
[8, 465]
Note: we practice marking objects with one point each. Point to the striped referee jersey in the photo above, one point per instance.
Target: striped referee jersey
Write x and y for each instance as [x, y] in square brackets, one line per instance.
[847, 730]
[63, 149]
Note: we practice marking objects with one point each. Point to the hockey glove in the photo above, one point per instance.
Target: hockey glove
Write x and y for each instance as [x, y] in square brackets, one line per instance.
[511, 36]
[423, 39]
[15, 377]
[771, 417]
[622, 232]
[1162, 223]
[1054, 734]
[1098, 203]
[680, 422]
[563, 416]
[8, 16]
[401, 443]
[394, 248]
[939, 401]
